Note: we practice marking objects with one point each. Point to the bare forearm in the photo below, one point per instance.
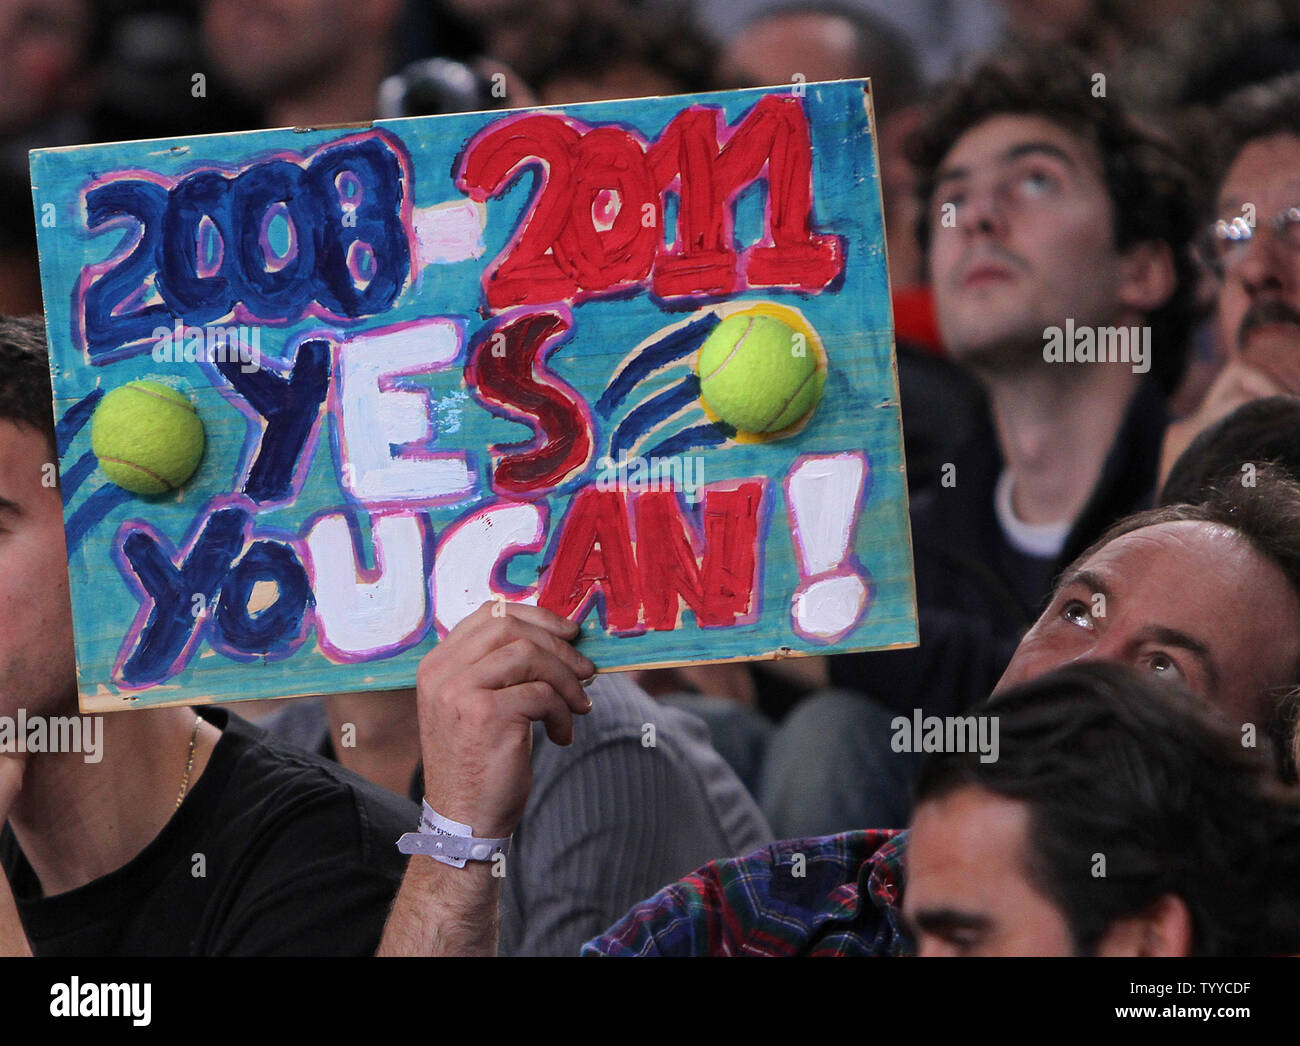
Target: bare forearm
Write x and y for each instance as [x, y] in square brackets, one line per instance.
[442, 910]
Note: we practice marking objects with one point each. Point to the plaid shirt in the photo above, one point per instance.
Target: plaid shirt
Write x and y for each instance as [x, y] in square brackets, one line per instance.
[829, 895]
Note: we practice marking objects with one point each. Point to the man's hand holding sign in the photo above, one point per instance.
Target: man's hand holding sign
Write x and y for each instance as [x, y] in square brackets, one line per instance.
[480, 691]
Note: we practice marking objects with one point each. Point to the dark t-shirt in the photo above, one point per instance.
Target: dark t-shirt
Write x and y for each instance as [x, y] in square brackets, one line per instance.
[298, 857]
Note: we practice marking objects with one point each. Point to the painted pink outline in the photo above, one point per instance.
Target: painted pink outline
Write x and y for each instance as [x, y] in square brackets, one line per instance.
[497, 583]
[369, 575]
[849, 565]
[276, 263]
[240, 314]
[176, 555]
[390, 382]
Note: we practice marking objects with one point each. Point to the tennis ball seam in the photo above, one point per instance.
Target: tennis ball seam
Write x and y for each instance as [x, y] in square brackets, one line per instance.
[162, 399]
[793, 396]
[169, 484]
[735, 348]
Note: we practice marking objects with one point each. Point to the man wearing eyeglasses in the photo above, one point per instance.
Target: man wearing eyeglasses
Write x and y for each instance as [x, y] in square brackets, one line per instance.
[1252, 247]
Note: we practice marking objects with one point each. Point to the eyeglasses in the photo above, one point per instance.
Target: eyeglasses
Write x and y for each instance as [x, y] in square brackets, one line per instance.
[1225, 244]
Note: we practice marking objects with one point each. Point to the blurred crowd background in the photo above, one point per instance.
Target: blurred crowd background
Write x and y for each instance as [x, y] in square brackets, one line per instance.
[78, 71]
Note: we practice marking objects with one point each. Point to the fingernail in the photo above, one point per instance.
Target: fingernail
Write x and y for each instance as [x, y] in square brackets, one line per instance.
[589, 680]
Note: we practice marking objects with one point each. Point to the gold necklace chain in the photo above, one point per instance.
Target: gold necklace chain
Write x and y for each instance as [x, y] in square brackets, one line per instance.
[189, 763]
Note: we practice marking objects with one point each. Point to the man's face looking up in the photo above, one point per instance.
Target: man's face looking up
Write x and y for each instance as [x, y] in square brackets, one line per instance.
[1021, 238]
[1186, 600]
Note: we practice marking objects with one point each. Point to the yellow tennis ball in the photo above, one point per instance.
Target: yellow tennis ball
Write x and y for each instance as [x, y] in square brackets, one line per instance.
[147, 436]
[759, 374]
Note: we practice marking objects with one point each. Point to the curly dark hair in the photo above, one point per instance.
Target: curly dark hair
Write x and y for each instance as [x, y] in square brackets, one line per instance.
[25, 396]
[1116, 762]
[1261, 432]
[1155, 195]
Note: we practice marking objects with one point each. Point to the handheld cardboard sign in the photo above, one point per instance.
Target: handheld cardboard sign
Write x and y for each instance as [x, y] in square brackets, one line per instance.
[321, 393]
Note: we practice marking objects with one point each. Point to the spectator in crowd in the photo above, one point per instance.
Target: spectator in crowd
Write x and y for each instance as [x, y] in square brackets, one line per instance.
[1252, 245]
[946, 35]
[304, 64]
[1151, 54]
[154, 81]
[1098, 830]
[47, 83]
[166, 831]
[322, 63]
[808, 42]
[637, 799]
[601, 52]
[1116, 809]
[1258, 433]
[1208, 596]
[1047, 213]
[786, 44]
[593, 50]
[835, 41]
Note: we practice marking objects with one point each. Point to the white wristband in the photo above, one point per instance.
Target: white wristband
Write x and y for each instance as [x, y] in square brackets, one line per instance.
[449, 841]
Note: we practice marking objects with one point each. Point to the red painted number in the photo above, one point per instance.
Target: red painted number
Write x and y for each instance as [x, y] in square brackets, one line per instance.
[595, 224]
